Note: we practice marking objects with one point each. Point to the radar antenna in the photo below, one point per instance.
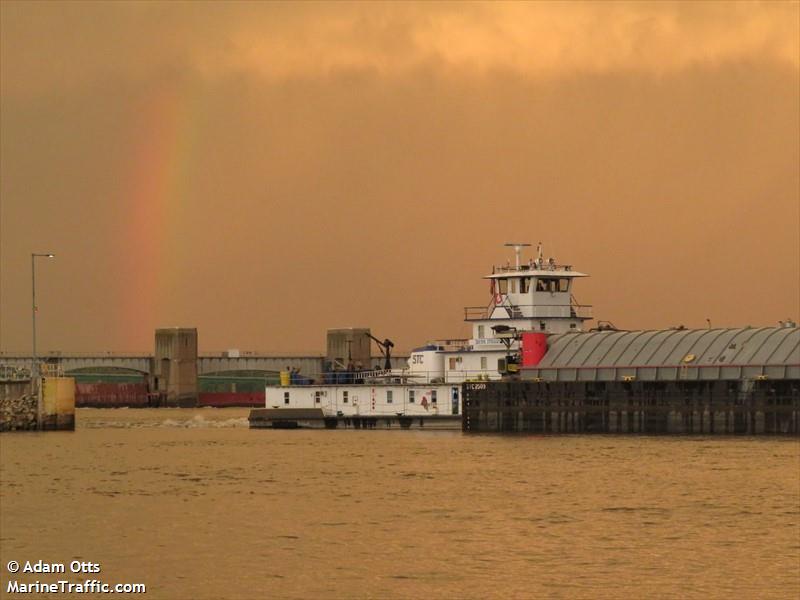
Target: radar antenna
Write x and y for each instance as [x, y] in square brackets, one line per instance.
[517, 249]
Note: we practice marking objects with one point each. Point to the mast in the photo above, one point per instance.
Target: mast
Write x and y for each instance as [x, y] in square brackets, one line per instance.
[518, 250]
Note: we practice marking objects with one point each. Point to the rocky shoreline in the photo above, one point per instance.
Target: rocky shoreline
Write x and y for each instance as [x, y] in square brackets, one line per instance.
[18, 413]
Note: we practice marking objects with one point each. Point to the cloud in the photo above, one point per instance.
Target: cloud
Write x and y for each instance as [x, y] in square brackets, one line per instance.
[331, 164]
[69, 43]
[534, 39]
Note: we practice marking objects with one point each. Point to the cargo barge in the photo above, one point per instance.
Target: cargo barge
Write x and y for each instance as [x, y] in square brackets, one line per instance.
[680, 381]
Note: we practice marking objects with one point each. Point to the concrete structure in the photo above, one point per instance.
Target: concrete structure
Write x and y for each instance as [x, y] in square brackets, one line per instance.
[19, 405]
[170, 376]
[70, 362]
[207, 364]
[58, 403]
[175, 366]
[348, 345]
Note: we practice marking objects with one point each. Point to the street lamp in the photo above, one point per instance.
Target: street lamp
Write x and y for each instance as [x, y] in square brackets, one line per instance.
[35, 365]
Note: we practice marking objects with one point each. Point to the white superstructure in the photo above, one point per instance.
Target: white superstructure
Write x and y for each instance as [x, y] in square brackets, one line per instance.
[533, 296]
[381, 396]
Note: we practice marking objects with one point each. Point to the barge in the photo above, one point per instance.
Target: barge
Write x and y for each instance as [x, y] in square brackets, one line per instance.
[742, 381]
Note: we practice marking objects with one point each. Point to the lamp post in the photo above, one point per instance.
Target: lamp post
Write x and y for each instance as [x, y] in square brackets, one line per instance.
[35, 363]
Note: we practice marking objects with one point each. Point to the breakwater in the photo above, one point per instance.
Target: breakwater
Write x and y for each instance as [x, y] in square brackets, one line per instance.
[17, 406]
[638, 407]
[51, 408]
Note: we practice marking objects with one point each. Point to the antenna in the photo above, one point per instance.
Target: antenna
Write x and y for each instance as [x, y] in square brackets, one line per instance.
[517, 249]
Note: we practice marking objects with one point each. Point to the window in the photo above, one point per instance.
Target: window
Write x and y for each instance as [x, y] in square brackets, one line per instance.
[452, 363]
[483, 363]
[502, 286]
[433, 396]
[389, 396]
[480, 331]
[524, 285]
[513, 285]
[573, 325]
[317, 394]
[542, 326]
[345, 396]
[411, 396]
[286, 397]
[552, 284]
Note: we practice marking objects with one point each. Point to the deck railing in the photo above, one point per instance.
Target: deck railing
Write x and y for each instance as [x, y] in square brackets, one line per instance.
[14, 373]
[528, 311]
[387, 377]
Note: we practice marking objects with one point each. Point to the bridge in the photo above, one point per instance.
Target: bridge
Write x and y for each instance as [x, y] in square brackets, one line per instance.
[176, 374]
[207, 364]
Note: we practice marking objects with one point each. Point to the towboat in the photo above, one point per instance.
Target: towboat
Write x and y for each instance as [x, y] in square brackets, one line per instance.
[528, 301]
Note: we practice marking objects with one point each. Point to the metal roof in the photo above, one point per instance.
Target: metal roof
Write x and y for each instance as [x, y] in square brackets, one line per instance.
[771, 352]
[536, 273]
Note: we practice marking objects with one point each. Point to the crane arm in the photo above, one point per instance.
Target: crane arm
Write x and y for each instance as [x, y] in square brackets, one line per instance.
[377, 341]
[386, 349]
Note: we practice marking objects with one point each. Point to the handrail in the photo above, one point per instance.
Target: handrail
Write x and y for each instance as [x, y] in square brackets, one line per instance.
[479, 313]
[532, 266]
[393, 377]
[61, 354]
[12, 373]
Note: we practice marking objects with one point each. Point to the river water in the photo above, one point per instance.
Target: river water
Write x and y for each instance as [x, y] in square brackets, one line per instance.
[194, 505]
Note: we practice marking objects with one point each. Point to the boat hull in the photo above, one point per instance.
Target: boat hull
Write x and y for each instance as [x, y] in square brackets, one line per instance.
[281, 418]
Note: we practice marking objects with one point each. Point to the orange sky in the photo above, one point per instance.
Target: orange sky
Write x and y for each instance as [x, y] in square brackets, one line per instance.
[266, 171]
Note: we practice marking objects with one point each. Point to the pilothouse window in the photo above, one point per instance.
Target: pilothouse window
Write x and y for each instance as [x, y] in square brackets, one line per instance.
[552, 284]
[502, 286]
[524, 285]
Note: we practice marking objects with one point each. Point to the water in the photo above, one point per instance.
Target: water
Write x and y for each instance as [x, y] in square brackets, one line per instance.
[195, 505]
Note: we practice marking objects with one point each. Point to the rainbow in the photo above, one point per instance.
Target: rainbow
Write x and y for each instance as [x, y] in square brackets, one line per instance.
[156, 194]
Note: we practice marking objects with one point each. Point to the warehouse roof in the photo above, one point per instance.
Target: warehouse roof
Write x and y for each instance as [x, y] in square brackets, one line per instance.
[772, 352]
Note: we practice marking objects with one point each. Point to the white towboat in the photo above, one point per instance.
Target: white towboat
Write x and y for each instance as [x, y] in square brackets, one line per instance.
[528, 302]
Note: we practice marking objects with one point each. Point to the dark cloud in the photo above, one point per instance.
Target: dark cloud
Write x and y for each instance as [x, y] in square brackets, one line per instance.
[363, 166]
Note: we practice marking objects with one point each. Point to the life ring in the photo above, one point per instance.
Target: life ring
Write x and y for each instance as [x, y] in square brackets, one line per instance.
[497, 297]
